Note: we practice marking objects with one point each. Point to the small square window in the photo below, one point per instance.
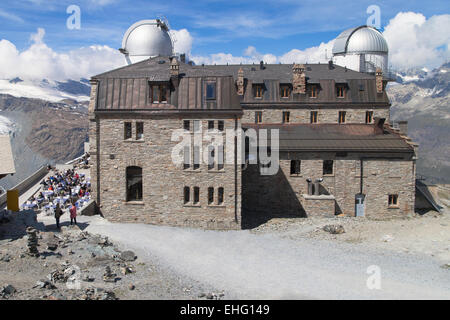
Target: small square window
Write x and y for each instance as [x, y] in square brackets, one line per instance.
[285, 91]
[187, 125]
[295, 167]
[340, 91]
[393, 200]
[258, 90]
[221, 125]
[328, 167]
[210, 125]
[158, 93]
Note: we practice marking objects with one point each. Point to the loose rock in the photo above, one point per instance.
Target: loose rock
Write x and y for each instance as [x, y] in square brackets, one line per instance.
[334, 229]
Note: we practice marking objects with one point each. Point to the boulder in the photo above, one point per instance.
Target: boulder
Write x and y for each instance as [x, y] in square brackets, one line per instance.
[334, 229]
[128, 255]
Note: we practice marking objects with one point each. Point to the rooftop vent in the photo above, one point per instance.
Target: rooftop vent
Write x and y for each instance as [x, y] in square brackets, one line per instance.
[261, 65]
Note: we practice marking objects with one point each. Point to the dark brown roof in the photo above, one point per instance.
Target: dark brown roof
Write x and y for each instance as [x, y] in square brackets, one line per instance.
[127, 87]
[337, 137]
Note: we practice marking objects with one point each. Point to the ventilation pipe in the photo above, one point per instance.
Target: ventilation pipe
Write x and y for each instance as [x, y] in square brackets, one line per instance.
[317, 186]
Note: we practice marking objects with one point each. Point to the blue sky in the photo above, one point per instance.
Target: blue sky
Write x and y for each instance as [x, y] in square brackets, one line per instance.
[216, 26]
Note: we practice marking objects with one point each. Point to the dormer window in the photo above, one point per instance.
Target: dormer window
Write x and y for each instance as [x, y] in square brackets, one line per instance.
[313, 91]
[340, 90]
[158, 93]
[258, 90]
[285, 91]
[211, 91]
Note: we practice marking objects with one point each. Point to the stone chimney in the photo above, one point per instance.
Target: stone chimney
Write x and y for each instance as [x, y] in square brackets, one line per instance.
[240, 82]
[174, 67]
[299, 79]
[379, 80]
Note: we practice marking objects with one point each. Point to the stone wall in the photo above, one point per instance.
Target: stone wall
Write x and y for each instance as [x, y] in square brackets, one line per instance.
[266, 197]
[163, 181]
[325, 115]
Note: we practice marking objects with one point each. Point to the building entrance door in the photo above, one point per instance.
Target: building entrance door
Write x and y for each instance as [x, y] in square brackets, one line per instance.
[359, 204]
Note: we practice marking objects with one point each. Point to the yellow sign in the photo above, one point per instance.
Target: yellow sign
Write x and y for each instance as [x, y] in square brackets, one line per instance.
[12, 200]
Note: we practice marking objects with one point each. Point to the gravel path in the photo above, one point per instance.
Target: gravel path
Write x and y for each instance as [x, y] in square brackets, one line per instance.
[268, 266]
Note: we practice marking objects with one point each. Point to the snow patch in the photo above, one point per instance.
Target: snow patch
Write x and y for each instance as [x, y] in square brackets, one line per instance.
[44, 90]
[6, 125]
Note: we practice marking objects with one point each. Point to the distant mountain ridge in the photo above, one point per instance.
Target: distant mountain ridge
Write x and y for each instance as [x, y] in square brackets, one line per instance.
[424, 102]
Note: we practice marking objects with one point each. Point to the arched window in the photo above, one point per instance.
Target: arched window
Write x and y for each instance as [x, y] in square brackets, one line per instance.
[134, 184]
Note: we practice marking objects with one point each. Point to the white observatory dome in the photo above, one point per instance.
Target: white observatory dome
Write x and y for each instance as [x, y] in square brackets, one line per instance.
[362, 49]
[145, 39]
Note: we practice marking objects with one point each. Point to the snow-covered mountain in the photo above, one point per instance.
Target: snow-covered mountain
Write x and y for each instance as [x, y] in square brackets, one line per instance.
[48, 90]
[425, 103]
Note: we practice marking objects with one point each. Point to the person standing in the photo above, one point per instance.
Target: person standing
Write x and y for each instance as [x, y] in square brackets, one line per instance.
[73, 214]
[58, 214]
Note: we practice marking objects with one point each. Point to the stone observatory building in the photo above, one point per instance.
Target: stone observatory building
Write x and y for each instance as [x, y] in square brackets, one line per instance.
[336, 153]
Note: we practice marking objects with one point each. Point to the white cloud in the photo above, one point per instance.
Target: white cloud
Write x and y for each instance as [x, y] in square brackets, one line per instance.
[415, 41]
[41, 62]
[251, 55]
[182, 41]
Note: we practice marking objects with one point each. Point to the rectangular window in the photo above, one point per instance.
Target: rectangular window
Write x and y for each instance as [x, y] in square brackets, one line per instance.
[295, 167]
[134, 183]
[211, 91]
[139, 130]
[196, 195]
[286, 116]
[187, 157]
[328, 167]
[220, 196]
[285, 91]
[197, 125]
[210, 195]
[342, 115]
[210, 125]
[258, 117]
[187, 195]
[258, 90]
[158, 93]
[221, 125]
[211, 155]
[314, 116]
[369, 116]
[187, 125]
[127, 131]
[393, 200]
[196, 157]
[313, 91]
[340, 91]
[221, 158]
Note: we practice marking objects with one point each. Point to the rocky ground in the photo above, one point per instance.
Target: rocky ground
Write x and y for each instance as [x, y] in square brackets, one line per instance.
[77, 265]
[427, 234]
[271, 261]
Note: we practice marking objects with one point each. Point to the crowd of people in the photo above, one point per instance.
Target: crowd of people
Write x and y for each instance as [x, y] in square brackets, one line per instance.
[63, 190]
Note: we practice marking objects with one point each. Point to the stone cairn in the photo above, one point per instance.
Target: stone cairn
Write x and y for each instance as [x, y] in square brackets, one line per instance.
[109, 276]
[32, 242]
